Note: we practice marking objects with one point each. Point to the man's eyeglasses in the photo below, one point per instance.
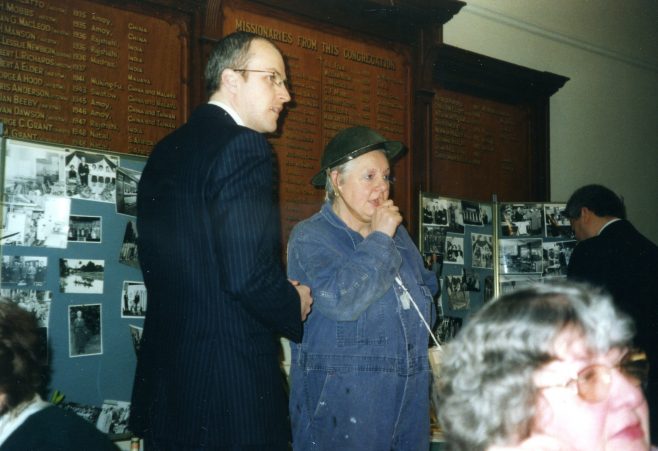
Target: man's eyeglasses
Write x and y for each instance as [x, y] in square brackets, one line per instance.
[274, 77]
[593, 382]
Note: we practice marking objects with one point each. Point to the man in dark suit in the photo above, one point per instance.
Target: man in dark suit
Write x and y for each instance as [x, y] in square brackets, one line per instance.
[83, 172]
[208, 373]
[611, 253]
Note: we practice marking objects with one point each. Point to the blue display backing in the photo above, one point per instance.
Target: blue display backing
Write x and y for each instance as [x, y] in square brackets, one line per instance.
[91, 379]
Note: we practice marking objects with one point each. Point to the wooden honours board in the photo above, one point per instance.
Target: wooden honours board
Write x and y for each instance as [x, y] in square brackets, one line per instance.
[483, 141]
[84, 74]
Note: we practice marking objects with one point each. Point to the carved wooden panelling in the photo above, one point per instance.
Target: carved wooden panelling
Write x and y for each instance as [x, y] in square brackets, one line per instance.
[90, 75]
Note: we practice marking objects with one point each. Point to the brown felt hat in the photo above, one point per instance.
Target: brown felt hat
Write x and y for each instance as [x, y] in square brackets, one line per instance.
[351, 143]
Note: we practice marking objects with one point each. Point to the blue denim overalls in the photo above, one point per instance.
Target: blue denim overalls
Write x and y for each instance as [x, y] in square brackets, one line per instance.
[360, 377]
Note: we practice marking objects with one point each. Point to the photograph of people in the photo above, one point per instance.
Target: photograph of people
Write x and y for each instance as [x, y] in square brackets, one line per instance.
[546, 368]
[360, 378]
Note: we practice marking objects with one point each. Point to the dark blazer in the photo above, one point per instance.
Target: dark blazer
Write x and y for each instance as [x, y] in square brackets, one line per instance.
[624, 262]
[56, 429]
[209, 247]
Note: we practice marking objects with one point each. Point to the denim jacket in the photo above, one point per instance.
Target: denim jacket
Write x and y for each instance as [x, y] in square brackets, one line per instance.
[358, 321]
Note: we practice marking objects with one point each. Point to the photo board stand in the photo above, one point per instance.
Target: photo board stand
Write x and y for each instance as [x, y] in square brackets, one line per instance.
[68, 250]
[481, 250]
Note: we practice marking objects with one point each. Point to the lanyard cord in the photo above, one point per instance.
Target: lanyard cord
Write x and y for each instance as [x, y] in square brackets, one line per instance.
[398, 280]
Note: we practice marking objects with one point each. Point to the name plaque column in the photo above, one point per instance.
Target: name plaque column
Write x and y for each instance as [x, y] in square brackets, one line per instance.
[84, 74]
[483, 141]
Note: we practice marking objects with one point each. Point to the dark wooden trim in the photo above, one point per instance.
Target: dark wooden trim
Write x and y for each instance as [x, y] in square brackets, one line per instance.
[460, 70]
[394, 20]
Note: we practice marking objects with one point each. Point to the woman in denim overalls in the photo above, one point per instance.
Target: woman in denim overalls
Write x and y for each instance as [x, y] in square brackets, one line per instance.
[360, 378]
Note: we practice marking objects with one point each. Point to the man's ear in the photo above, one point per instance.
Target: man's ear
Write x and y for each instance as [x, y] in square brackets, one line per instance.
[586, 214]
[229, 79]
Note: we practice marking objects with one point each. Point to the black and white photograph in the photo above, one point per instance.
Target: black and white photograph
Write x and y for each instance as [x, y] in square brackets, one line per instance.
[447, 328]
[133, 299]
[488, 288]
[443, 212]
[520, 220]
[482, 251]
[454, 214]
[113, 419]
[471, 213]
[434, 211]
[519, 256]
[434, 262]
[470, 280]
[509, 283]
[433, 239]
[454, 251]
[126, 187]
[458, 297]
[81, 275]
[45, 225]
[35, 301]
[85, 229]
[32, 172]
[89, 413]
[91, 176]
[486, 213]
[556, 257]
[85, 330]
[23, 271]
[128, 251]
[557, 224]
[136, 335]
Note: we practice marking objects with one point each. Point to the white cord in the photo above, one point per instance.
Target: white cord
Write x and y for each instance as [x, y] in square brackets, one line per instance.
[429, 329]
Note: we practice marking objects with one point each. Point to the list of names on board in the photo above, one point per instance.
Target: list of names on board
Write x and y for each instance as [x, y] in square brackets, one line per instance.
[84, 74]
[479, 140]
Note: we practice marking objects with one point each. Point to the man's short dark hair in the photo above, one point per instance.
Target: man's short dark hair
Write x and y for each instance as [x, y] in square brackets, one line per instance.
[230, 52]
[598, 199]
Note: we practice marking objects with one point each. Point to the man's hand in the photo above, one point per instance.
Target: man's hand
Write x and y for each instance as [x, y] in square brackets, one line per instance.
[305, 298]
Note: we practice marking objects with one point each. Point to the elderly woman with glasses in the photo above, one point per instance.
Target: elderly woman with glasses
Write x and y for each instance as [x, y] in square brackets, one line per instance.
[545, 368]
[360, 377]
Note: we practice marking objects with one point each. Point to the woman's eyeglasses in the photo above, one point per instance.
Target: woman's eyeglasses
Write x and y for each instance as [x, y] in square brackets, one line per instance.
[593, 382]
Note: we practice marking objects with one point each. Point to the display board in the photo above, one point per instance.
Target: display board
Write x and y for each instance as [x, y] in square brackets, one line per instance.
[462, 241]
[535, 243]
[456, 241]
[69, 255]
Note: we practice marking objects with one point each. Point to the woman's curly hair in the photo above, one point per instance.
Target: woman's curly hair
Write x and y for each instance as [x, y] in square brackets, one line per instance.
[486, 394]
[21, 355]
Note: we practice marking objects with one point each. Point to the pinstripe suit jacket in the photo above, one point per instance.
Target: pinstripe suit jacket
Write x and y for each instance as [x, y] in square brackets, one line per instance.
[209, 247]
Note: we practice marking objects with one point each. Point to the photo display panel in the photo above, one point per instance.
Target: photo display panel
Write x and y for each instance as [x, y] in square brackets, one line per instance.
[335, 82]
[68, 253]
[89, 75]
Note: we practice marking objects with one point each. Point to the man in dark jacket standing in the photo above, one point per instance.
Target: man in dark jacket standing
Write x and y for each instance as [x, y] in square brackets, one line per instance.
[208, 374]
[611, 253]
